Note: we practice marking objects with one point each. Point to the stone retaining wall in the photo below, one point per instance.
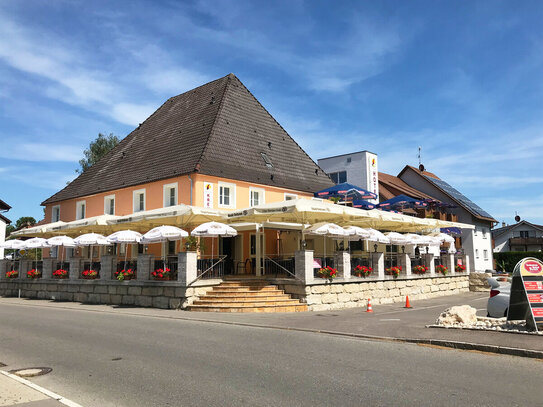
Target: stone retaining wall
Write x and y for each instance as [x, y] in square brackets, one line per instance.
[148, 294]
[478, 281]
[351, 294]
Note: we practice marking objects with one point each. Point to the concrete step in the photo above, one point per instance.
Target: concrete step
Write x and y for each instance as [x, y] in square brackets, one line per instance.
[245, 302]
[263, 308]
[245, 289]
[252, 296]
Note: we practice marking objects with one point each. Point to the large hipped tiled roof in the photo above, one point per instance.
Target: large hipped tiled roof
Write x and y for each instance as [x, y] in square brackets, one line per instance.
[391, 186]
[217, 129]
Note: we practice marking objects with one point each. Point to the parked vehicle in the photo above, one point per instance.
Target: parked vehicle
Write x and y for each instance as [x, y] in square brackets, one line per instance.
[498, 302]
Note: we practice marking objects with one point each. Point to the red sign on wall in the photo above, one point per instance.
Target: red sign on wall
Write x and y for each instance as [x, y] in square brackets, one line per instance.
[535, 298]
[533, 285]
[538, 312]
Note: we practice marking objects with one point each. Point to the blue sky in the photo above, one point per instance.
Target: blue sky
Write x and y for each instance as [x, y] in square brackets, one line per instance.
[462, 79]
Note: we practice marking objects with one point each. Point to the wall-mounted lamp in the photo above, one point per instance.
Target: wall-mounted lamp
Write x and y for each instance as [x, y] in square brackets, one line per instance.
[304, 244]
[187, 246]
[375, 247]
[403, 249]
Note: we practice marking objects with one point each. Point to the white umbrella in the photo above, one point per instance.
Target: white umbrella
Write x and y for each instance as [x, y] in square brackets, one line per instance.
[213, 229]
[421, 240]
[377, 236]
[64, 241]
[357, 233]
[91, 239]
[398, 239]
[36, 243]
[443, 237]
[163, 234]
[12, 244]
[326, 229]
[125, 236]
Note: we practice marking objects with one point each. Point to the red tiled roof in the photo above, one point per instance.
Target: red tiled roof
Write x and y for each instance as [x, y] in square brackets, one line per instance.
[391, 186]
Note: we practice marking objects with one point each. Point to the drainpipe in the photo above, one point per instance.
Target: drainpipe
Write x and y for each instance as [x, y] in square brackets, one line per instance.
[190, 179]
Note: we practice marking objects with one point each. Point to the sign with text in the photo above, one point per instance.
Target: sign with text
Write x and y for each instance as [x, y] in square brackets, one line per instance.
[208, 195]
[526, 299]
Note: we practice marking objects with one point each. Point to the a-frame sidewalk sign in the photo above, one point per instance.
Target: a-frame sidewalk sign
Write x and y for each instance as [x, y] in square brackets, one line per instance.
[526, 300]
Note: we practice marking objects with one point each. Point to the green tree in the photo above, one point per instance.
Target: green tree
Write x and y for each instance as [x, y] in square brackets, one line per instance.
[97, 149]
[24, 221]
[9, 229]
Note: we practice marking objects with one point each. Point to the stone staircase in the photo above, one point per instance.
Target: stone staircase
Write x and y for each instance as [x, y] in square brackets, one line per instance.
[247, 296]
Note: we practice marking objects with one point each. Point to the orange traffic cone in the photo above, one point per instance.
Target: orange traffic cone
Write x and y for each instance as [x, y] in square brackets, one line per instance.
[369, 306]
[407, 303]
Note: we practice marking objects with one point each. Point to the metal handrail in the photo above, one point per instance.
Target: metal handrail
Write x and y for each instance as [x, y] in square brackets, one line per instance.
[283, 268]
[220, 260]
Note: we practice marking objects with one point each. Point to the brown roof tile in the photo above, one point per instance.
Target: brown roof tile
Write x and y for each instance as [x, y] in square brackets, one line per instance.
[217, 129]
[393, 186]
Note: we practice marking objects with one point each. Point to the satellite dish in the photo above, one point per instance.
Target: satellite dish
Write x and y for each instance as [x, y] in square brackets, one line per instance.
[421, 168]
[517, 218]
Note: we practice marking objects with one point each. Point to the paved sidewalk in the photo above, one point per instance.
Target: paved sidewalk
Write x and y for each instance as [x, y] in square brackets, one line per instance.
[15, 391]
[390, 321]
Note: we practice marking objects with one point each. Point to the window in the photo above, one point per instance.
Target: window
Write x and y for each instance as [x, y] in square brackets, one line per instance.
[485, 254]
[256, 196]
[290, 197]
[524, 233]
[475, 231]
[484, 232]
[171, 247]
[338, 177]
[109, 205]
[227, 195]
[139, 200]
[80, 209]
[55, 214]
[170, 194]
[348, 160]
[476, 253]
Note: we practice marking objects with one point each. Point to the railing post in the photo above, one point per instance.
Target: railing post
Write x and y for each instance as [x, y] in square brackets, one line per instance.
[187, 267]
[378, 262]
[343, 261]
[108, 265]
[47, 268]
[143, 269]
[303, 265]
[405, 262]
[429, 262]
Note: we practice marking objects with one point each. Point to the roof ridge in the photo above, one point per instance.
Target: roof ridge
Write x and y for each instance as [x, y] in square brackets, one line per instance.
[215, 120]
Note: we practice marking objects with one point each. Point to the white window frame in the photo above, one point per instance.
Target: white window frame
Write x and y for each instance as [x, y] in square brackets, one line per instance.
[166, 194]
[484, 232]
[135, 206]
[292, 196]
[485, 254]
[78, 205]
[476, 253]
[475, 231]
[53, 213]
[107, 199]
[261, 196]
[232, 195]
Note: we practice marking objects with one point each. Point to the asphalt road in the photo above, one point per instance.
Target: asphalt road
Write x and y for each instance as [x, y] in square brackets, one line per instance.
[104, 359]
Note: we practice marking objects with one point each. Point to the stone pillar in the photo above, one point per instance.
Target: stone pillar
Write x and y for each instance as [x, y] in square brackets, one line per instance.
[144, 266]
[47, 271]
[429, 262]
[378, 262]
[405, 262]
[448, 261]
[343, 262]
[75, 268]
[187, 270]
[4, 264]
[108, 265]
[303, 265]
[465, 260]
[24, 266]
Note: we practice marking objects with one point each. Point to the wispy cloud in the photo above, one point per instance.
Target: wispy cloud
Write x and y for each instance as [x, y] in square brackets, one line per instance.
[28, 151]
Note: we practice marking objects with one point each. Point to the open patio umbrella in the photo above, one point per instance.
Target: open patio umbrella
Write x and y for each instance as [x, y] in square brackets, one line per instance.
[357, 233]
[213, 230]
[398, 239]
[36, 243]
[324, 230]
[402, 201]
[163, 233]
[12, 244]
[362, 204]
[346, 190]
[125, 236]
[64, 241]
[91, 239]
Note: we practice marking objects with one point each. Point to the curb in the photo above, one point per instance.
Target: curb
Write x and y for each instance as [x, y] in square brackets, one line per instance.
[502, 350]
[42, 390]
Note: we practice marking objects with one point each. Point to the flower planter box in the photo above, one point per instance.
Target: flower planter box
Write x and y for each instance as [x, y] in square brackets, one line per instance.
[33, 274]
[60, 274]
[12, 274]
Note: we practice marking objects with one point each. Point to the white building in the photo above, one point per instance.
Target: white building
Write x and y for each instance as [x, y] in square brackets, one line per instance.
[359, 168]
[477, 243]
[4, 207]
[520, 237]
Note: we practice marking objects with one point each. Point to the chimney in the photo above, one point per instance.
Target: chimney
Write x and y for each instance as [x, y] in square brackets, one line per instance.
[503, 224]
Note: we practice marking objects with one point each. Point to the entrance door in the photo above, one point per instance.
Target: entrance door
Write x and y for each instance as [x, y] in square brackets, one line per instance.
[227, 248]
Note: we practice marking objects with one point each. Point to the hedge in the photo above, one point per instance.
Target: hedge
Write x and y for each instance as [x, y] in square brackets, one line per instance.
[512, 258]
